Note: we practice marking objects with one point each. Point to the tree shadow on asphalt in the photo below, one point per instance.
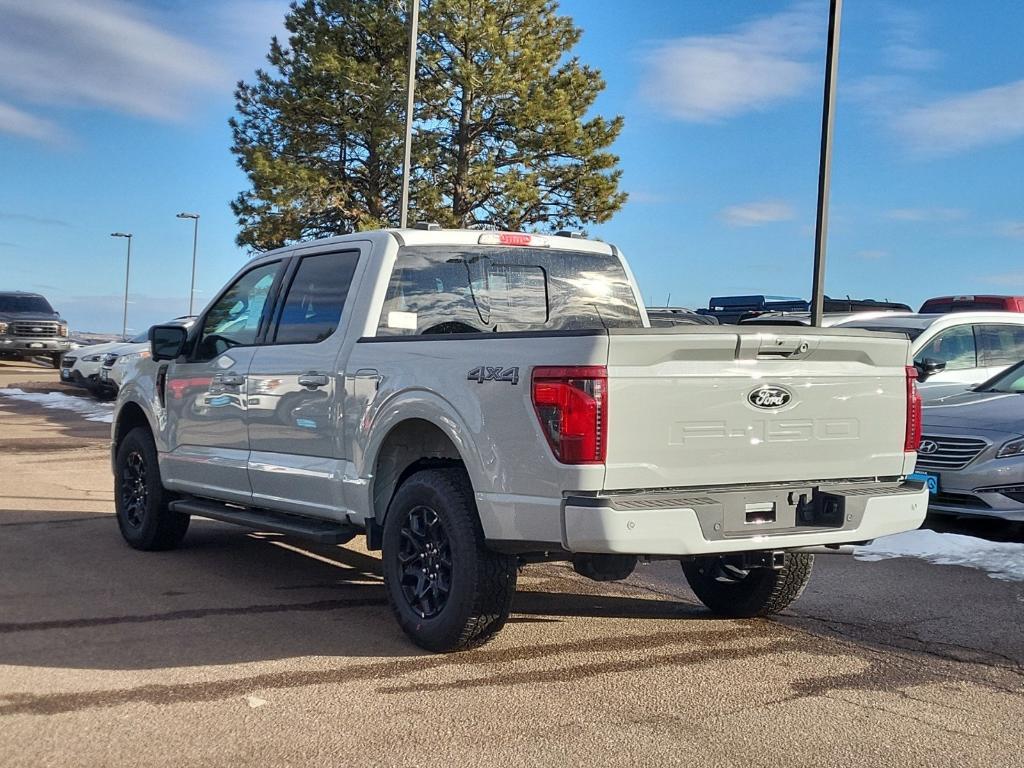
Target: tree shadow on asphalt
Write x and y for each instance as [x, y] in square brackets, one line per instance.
[79, 598]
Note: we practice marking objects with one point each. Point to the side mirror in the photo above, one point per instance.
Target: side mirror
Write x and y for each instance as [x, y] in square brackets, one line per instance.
[167, 342]
[928, 367]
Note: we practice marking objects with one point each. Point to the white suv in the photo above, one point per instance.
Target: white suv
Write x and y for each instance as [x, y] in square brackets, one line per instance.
[959, 348]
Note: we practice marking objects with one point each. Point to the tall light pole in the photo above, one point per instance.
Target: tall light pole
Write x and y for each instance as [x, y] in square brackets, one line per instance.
[414, 23]
[127, 271]
[835, 13]
[195, 242]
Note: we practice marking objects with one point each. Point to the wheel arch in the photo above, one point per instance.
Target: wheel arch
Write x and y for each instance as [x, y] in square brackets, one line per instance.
[408, 446]
[129, 416]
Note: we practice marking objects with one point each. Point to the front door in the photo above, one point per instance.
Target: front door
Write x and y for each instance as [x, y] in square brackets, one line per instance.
[296, 388]
[956, 348]
[208, 442]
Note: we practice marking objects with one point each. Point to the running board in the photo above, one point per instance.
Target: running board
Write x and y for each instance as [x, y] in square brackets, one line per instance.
[321, 531]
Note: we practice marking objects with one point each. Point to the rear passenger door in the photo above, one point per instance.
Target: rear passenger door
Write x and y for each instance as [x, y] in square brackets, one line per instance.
[999, 346]
[295, 390]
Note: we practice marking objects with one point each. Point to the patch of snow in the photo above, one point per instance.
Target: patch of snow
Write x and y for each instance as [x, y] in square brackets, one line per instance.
[1001, 560]
[255, 702]
[90, 409]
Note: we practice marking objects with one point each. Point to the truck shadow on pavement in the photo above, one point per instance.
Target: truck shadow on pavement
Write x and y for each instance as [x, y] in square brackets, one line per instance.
[78, 597]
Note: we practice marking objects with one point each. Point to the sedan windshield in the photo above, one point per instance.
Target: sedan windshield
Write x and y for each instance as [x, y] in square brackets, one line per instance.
[1010, 381]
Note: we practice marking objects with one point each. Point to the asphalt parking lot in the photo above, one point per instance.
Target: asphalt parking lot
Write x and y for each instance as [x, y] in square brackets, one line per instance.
[247, 648]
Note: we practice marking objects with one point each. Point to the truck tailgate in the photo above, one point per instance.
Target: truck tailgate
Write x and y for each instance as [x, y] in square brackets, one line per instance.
[730, 405]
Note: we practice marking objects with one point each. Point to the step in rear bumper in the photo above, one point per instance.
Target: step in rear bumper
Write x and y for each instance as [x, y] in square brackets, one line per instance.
[685, 523]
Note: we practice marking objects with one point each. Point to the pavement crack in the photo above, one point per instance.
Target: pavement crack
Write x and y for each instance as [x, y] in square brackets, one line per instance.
[194, 613]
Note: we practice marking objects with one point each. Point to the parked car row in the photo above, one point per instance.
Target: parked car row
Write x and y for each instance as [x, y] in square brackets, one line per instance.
[737, 309]
[100, 368]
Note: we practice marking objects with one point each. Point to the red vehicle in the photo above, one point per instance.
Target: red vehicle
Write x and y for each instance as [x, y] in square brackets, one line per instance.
[943, 304]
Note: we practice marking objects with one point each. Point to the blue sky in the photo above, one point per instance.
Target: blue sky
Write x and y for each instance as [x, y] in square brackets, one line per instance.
[113, 116]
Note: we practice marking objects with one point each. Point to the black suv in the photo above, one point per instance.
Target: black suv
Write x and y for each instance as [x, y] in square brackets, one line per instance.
[29, 327]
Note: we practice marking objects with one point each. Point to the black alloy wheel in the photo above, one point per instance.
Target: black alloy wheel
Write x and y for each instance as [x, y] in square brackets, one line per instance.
[142, 503]
[134, 493]
[426, 562]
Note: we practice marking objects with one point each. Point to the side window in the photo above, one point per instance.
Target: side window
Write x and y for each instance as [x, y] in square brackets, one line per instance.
[316, 297]
[427, 296]
[235, 319]
[999, 344]
[954, 347]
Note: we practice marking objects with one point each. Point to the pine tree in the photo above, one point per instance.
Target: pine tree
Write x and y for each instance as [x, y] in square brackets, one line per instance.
[503, 138]
[320, 138]
[502, 134]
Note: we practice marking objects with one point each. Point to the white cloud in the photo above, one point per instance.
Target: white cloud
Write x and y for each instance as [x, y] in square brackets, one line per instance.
[98, 53]
[925, 214]
[756, 213]
[1011, 229]
[1013, 279]
[973, 119]
[904, 47]
[760, 63]
[19, 123]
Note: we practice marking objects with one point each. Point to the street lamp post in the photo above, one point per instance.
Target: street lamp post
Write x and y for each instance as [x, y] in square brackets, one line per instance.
[414, 19]
[127, 272]
[825, 160]
[195, 242]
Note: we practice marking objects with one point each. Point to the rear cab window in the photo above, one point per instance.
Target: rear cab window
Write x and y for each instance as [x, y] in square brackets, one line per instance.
[497, 289]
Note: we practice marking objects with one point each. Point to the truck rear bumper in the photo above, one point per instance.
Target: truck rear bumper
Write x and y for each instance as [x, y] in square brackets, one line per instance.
[709, 523]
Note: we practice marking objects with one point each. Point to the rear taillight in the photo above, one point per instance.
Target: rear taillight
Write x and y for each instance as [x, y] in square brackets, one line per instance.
[913, 438]
[572, 405]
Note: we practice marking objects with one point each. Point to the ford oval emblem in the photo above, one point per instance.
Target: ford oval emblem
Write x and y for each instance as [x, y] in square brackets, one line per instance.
[769, 397]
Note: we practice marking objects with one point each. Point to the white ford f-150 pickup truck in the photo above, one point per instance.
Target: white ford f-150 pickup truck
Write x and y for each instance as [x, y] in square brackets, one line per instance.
[473, 401]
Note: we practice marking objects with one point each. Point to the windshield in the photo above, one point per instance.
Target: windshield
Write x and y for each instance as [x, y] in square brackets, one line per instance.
[910, 333]
[469, 289]
[16, 303]
[1010, 381]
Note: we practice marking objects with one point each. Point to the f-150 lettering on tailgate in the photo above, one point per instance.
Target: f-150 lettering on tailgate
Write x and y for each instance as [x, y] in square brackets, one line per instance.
[765, 430]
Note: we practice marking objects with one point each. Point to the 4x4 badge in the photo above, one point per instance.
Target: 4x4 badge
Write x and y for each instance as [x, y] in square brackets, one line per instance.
[494, 373]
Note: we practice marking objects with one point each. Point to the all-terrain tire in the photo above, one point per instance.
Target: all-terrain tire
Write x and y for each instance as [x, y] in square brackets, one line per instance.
[480, 582]
[760, 592]
[143, 515]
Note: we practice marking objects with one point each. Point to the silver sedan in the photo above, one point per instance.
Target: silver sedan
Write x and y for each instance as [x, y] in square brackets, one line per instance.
[972, 449]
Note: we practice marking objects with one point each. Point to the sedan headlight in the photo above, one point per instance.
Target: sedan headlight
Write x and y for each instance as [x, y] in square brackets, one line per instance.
[1012, 448]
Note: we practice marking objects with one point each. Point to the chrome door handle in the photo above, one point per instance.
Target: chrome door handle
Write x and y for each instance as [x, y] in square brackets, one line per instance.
[313, 380]
[230, 379]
